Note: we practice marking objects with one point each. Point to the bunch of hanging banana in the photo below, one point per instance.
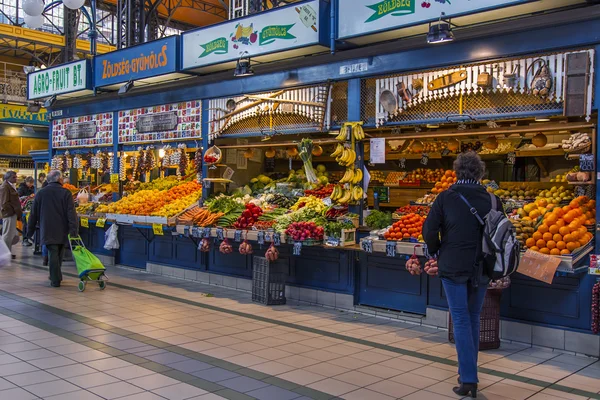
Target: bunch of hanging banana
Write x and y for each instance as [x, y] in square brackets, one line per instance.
[353, 176]
[351, 129]
[347, 158]
[345, 196]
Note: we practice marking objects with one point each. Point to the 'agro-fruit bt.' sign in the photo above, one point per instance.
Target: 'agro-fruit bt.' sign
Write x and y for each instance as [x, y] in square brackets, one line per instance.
[66, 78]
[146, 60]
[363, 17]
[284, 28]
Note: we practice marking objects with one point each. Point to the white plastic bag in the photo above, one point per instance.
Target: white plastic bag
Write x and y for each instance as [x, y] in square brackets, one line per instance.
[111, 242]
[83, 197]
[5, 256]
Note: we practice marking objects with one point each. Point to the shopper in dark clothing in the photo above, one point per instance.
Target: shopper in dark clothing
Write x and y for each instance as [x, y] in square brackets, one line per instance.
[54, 209]
[26, 187]
[453, 231]
[25, 190]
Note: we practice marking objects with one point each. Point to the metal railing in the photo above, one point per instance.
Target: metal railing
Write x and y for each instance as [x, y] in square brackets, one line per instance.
[13, 83]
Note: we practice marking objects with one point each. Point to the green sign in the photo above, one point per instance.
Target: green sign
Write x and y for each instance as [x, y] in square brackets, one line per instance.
[393, 7]
[273, 32]
[217, 46]
[65, 78]
[383, 193]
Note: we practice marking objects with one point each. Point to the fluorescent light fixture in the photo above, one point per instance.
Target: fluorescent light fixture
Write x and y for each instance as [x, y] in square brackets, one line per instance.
[243, 67]
[34, 107]
[49, 101]
[440, 31]
[542, 119]
[126, 88]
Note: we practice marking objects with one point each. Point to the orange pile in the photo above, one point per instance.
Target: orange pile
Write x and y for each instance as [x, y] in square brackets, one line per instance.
[445, 182]
[409, 225]
[563, 228]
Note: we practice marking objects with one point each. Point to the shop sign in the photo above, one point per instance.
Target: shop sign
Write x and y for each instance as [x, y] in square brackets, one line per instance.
[363, 17]
[66, 78]
[383, 193]
[19, 114]
[157, 122]
[281, 29]
[83, 130]
[133, 63]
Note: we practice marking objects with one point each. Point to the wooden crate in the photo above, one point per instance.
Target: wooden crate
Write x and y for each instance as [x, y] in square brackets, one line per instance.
[348, 238]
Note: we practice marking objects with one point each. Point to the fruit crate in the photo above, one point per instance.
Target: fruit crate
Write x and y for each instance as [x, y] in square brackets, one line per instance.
[348, 238]
[268, 282]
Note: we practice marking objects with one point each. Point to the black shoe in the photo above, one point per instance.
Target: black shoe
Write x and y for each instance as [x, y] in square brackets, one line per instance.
[45, 261]
[13, 257]
[465, 388]
[55, 284]
[27, 243]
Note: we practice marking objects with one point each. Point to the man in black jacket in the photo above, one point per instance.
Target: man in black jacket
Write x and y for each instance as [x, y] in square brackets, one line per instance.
[54, 209]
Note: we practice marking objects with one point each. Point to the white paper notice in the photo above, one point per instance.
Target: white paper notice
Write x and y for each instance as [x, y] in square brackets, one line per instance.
[231, 156]
[242, 161]
[377, 152]
[256, 156]
[228, 173]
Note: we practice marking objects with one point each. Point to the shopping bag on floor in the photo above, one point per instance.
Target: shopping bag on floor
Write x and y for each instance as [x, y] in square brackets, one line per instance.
[5, 255]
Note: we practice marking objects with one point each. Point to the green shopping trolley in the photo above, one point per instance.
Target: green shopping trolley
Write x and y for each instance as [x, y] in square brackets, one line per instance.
[89, 267]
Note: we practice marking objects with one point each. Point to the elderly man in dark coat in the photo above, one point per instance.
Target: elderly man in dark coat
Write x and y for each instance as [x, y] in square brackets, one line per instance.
[54, 209]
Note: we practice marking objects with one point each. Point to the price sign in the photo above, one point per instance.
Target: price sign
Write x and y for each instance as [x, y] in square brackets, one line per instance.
[277, 239]
[511, 158]
[237, 235]
[594, 270]
[85, 222]
[390, 249]
[327, 201]
[579, 191]
[424, 158]
[220, 234]
[268, 236]
[101, 222]
[586, 162]
[297, 248]
[367, 245]
[445, 152]
[403, 163]
[157, 229]
[332, 242]
[383, 193]
[206, 232]
[114, 178]
[228, 173]
[261, 237]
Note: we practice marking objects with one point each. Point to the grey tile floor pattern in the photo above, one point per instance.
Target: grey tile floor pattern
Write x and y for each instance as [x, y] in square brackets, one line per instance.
[149, 337]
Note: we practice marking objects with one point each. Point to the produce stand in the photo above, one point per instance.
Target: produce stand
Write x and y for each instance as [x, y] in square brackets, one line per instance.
[200, 188]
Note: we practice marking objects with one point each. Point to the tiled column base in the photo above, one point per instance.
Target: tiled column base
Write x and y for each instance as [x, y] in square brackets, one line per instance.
[559, 339]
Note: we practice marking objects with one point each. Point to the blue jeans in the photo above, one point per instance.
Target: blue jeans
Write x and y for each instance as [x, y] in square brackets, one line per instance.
[465, 304]
[44, 251]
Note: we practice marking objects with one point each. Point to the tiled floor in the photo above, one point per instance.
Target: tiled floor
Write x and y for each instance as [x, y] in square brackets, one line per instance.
[150, 337]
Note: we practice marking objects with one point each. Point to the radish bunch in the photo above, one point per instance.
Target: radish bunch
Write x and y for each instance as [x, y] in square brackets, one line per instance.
[300, 231]
[249, 217]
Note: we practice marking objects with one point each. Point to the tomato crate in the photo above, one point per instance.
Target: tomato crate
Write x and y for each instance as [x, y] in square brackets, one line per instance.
[268, 282]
